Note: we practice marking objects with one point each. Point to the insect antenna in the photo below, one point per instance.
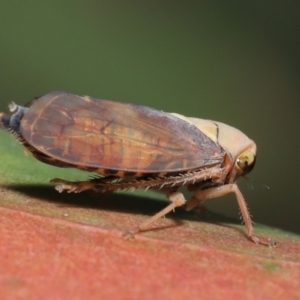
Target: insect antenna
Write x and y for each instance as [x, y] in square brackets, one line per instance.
[250, 183]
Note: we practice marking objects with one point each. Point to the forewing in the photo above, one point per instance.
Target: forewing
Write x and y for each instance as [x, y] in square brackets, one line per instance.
[112, 135]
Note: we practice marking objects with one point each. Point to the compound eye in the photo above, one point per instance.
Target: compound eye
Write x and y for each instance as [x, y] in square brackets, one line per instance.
[245, 162]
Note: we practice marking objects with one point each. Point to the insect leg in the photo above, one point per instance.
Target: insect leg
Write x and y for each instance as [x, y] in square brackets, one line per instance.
[215, 192]
[72, 187]
[80, 186]
[177, 199]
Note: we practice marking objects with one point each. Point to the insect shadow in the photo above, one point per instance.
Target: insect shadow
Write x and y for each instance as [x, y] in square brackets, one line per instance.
[121, 202]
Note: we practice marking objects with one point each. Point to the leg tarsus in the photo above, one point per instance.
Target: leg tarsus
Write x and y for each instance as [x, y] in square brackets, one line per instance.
[130, 234]
[72, 186]
[263, 241]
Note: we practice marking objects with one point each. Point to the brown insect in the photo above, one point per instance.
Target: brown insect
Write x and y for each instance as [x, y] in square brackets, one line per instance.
[133, 146]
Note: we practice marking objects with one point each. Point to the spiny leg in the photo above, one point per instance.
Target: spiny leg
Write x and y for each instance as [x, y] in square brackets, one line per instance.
[177, 199]
[215, 192]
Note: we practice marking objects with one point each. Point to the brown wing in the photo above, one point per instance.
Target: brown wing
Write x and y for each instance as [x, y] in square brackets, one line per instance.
[112, 135]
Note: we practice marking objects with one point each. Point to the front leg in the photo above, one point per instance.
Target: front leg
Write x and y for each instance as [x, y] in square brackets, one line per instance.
[215, 192]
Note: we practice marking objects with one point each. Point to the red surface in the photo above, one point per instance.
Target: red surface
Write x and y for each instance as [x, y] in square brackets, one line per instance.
[53, 258]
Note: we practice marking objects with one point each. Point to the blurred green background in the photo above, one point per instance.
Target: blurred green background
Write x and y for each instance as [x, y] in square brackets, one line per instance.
[232, 61]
